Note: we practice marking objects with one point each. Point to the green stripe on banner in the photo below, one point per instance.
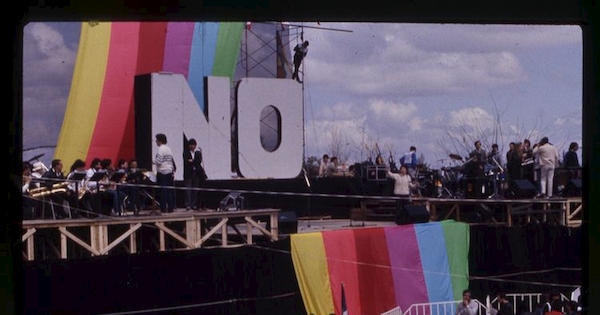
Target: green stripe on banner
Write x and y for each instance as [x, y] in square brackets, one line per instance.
[228, 48]
[457, 247]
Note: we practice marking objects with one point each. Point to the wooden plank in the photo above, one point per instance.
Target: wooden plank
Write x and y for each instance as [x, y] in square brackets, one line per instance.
[274, 226]
[162, 227]
[28, 234]
[253, 223]
[224, 235]
[219, 225]
[65, 232]
[120, 238]
[63, 246]
[133, 241]
[248, 232]
[30, 251]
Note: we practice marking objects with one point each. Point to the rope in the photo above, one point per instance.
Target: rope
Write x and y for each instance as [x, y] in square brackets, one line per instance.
[198, 305]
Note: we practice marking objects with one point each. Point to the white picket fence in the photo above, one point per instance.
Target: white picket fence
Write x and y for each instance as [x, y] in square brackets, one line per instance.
[438, 308]
[449, 307]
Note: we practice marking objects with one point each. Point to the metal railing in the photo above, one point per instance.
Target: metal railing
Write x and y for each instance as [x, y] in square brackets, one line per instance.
[440, 308]
[530, 301]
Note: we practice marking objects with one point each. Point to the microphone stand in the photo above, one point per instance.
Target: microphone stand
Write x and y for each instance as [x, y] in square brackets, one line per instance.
[305, 173]
[501, 170]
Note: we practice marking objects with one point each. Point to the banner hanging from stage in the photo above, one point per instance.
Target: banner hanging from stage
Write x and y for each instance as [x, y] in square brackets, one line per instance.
[381, 267]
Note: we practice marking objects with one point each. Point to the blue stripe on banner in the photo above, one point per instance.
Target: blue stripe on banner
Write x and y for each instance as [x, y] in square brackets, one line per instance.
[434, 259]
[202, 56]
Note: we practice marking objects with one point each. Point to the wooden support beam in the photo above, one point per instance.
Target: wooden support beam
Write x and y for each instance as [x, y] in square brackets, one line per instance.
[28, 237]
[162, 227]
[255, 224]
[66, 233]
[210, 233]
[120, 238]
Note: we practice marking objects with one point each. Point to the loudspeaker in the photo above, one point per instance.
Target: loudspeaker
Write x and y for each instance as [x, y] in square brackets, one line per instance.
[415, 214]
[231, 202]
[523, 188]
[474, 188]
[573, 188]
[287, 222]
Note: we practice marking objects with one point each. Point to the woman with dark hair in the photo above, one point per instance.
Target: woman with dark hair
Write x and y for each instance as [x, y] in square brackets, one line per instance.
[513, 166]
[571, 161]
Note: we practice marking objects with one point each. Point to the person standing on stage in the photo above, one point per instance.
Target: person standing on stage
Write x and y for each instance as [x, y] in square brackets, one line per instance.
[511, 146]
[477, 159]
[513, 166]
[528, 163]
[193, 174]
[165, 174]
[409, 159]
[402, 185]
[55, 176]
[548, 159]
[323, 165]
[571, 161]
[495, 157]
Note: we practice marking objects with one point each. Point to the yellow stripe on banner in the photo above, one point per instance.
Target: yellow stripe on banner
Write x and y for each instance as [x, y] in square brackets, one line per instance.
[86, 92]
[310, 266]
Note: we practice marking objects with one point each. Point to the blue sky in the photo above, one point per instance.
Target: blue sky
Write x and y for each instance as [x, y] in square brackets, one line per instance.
[397, 85]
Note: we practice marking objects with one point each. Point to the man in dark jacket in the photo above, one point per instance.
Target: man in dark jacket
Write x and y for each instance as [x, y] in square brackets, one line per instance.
[193, 175]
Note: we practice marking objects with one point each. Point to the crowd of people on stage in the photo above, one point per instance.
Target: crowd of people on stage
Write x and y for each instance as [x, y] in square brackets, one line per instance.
[115, 188]
[536, 164]
[107, 189]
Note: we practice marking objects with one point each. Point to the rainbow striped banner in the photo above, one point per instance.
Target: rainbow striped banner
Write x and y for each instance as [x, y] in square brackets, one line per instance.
[99, 118]
[381, 267]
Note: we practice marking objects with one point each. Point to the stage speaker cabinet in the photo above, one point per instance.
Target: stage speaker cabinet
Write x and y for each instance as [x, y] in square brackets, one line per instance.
[523, 188]
[231, 202]
[376, 173]
[415, 214]
[287, 222]
[573, 188]
[475, 188]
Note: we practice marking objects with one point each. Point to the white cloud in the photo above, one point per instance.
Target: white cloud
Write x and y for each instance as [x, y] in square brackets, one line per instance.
[52, 53]
[391, 112]
[395, 65]
[472, 117]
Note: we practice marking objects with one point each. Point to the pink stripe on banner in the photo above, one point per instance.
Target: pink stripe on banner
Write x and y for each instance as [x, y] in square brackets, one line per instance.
[178, 46]
[405, 261]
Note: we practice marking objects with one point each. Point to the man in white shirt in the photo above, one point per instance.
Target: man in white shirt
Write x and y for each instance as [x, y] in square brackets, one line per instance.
[467, 306]
[402, 185]
[548, 160]
[323, 165]
[165, 174]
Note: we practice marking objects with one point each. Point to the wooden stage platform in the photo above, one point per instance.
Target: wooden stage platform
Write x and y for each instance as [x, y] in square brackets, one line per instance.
[184, 230]
[558, 210]
[187, 230]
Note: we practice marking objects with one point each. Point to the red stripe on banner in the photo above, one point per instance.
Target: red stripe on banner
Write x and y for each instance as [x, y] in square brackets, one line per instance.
[151, 50]
[341, 264]
[117, 92]
[374, 274]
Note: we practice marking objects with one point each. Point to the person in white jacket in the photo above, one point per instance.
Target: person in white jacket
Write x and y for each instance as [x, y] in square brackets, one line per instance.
[548, 160]
[402, 185]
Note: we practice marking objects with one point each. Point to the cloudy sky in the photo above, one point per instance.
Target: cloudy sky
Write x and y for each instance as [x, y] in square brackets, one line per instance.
[438, 87]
